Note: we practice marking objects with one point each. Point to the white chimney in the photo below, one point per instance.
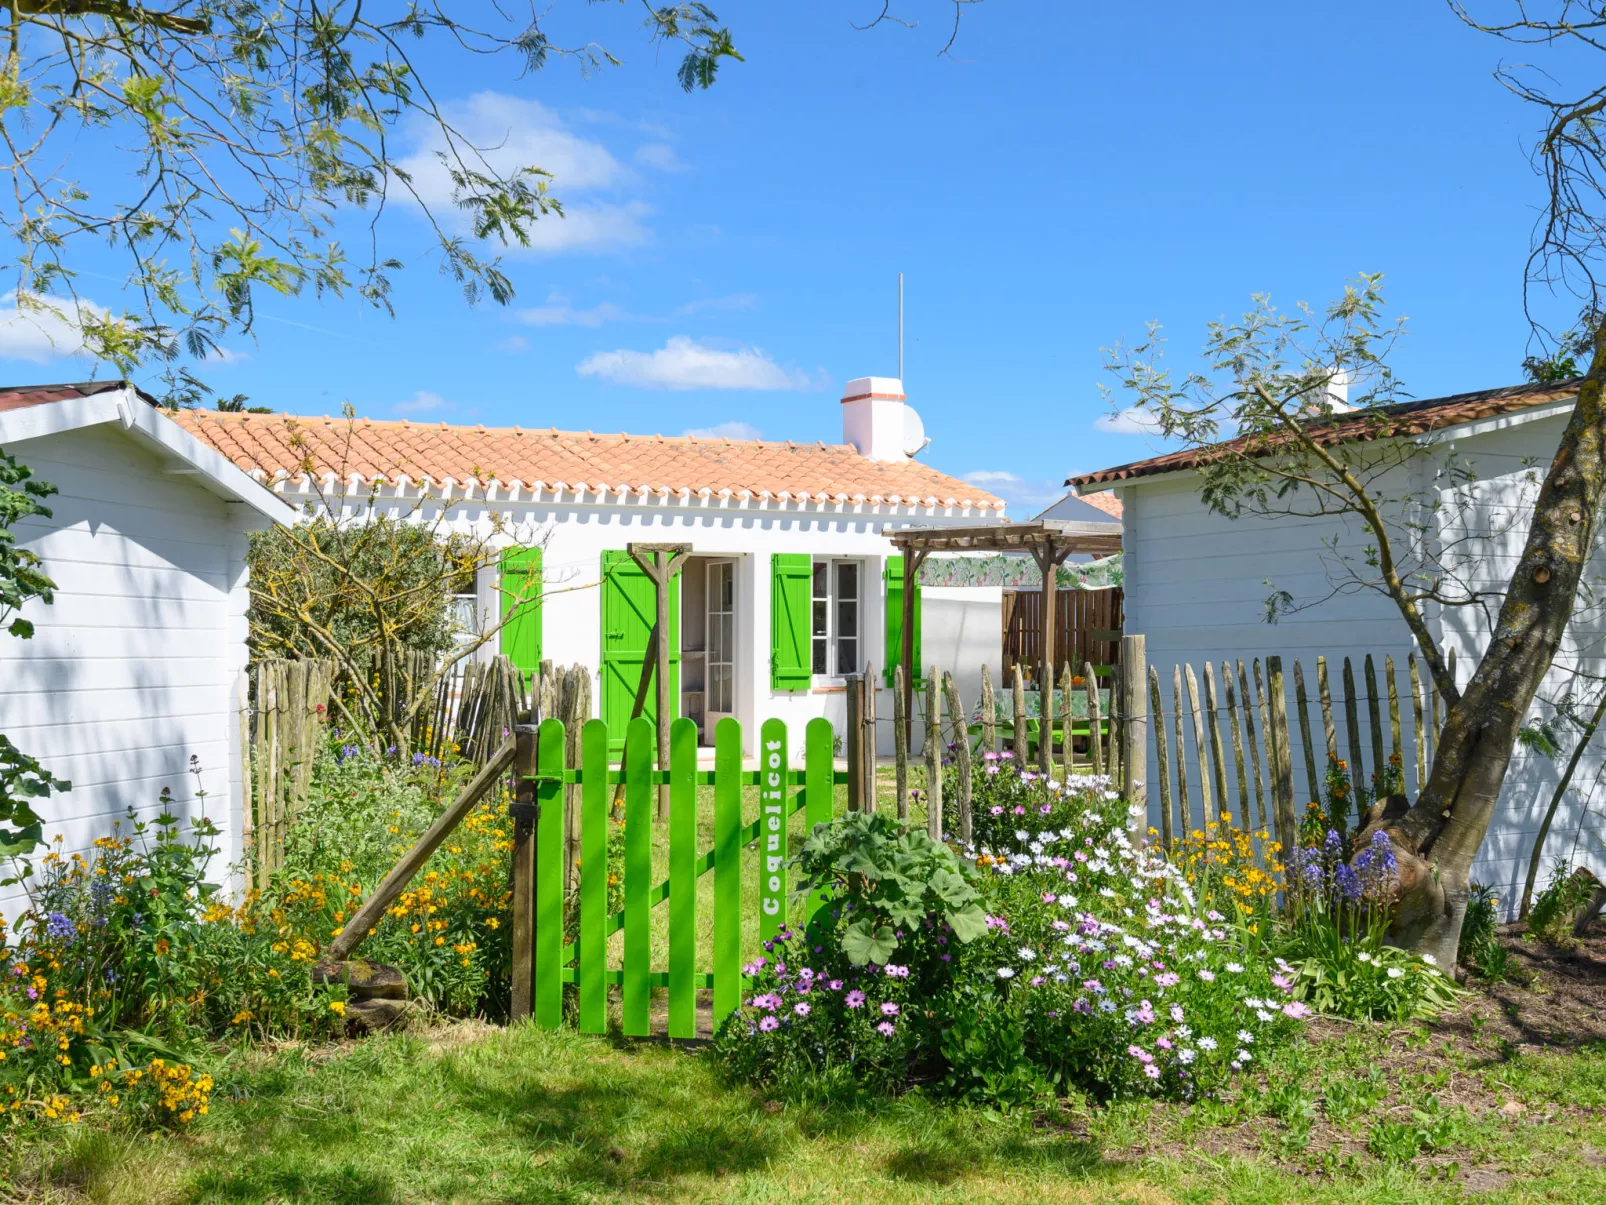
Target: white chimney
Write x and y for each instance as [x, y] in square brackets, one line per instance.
[878, 422]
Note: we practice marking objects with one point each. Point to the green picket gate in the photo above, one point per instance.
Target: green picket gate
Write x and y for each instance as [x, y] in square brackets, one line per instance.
[584, 962]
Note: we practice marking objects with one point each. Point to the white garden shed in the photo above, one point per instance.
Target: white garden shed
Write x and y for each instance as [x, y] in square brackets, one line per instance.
[137, 666]
[791, 584]
[1197, 585]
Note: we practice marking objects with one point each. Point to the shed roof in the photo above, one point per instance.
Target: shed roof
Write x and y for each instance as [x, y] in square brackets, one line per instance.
[37, 411]
[277, 446]
[1406, 418]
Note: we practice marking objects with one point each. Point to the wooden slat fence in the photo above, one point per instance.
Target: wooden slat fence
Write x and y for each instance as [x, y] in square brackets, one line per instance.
[471, 711]
[1087, 629]
[291, 701]
[1258, 742]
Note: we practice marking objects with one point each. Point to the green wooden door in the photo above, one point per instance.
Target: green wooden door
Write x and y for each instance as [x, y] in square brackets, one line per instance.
[628, 603]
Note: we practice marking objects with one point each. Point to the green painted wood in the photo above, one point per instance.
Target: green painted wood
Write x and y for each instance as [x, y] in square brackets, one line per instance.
[682, 879]
[548, 1002]
[819, 789]
[893, 622]
[791, 637]
[629, 604]
[520, 584]
[726, 859]
[593, 877]
[638, 872]
[654, 978]
[772, 842]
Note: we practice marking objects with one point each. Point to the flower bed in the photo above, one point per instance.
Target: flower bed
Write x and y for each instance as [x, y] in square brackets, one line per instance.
[1096, 969]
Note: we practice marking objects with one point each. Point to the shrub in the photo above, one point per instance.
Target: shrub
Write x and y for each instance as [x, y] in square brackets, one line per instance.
[124, 961]
[1338, 916]
[894, 889]
[1095, 970]
[1481, 951]
[447, 932]
[1551, 919]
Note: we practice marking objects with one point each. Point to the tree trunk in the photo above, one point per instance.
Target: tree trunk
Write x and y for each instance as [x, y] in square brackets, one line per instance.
[1436, 838]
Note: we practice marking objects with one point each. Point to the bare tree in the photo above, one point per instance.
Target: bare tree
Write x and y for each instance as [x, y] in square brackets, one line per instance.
[367, 578]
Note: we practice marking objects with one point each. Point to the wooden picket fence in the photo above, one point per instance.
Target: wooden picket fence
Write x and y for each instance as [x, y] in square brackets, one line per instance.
[282, 732]
[292, 704]
[544, 960]
[1383, 734]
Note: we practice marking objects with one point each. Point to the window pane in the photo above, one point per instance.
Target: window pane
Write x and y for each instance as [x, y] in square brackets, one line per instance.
[847, 618]
[847, 656]
[821, 608]
[847, 579]
[820, 645]
[822, 571]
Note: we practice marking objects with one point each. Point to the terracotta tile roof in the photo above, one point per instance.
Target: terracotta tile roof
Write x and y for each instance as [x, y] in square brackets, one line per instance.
[276, 446]
[1407, 418]
[1106, 502]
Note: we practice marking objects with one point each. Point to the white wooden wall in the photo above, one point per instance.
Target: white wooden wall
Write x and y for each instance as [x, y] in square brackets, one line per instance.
[1197, 583]
[135, 667]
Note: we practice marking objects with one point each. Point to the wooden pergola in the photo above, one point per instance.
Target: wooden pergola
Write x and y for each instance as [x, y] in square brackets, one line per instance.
[1049, 541]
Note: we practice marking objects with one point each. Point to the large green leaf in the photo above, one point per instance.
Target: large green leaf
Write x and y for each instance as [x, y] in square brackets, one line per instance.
[862, 944]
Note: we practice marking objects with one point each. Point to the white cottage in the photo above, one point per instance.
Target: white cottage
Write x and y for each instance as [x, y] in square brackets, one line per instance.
[1197, 585]
[791, 583]
[137, 667]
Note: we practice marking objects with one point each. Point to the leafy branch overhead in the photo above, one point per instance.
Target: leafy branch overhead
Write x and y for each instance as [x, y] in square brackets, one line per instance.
[221, 144]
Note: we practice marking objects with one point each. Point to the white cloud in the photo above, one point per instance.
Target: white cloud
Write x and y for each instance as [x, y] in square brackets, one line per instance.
[731, 302]
[421, 402]
[1134, 420]
[735, 429]
[660, 156]
[684, 363]
[222, 355]
[514, 345]
[563, 314]
[1023, 496]
[46, 328]
[517, 133]
[589, 227]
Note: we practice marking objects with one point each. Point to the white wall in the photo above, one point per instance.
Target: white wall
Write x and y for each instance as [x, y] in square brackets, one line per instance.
[1509, 461]
[135, 668]
[1197, 583]
[963, 627]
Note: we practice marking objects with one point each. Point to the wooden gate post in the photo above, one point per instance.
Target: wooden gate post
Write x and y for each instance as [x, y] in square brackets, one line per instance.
[523, 811]
[852, 741]
[1133, 673]
[867, 736]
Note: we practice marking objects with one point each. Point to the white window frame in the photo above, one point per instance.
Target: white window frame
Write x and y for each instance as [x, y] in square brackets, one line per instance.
[831, 636]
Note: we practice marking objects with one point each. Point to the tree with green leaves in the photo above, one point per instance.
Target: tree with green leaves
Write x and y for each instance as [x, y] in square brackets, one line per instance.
[220, 143]
[22, 779]
[1269, 382]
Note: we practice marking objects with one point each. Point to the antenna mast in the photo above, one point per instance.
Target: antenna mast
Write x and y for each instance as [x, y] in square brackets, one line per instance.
[900, 326]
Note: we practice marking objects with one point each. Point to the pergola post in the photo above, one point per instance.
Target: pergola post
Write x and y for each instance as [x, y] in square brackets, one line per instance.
[1045, 674]
[1049, 541]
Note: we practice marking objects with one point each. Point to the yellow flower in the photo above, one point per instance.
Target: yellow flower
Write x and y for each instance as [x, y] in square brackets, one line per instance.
[338, 1007]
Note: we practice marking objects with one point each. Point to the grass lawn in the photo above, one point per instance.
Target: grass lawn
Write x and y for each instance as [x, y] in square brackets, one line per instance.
[471, 1113]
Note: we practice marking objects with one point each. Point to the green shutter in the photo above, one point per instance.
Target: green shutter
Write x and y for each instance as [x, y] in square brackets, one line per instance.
[520, 590]
[629, 602]
[791, 645]
[894, 620]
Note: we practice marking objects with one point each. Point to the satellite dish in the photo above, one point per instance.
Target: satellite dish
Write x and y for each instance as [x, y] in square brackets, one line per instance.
[914, 432]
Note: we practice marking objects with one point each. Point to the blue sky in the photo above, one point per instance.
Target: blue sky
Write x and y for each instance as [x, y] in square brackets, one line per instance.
[1071, 171]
